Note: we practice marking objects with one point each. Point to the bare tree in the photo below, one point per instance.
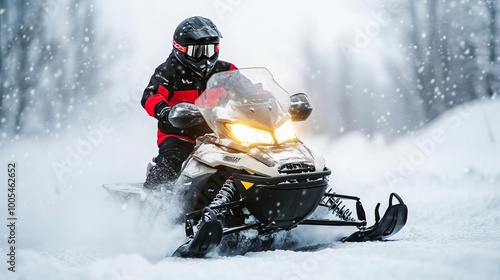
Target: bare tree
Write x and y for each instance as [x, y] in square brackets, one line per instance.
[49, 63]
[493, 78]
[448, 56]
[449, 43]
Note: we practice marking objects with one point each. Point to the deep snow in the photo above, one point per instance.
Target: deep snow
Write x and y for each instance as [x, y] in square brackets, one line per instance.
[448, 174]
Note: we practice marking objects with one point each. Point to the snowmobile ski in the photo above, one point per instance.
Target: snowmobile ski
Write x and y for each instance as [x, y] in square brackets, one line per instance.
[207, 238]
[393, 220]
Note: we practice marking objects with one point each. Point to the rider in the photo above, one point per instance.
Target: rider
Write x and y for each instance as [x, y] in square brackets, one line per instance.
[181, 78]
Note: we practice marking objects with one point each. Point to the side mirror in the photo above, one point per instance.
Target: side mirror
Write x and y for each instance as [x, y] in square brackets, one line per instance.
[300, 108]
[185, 115]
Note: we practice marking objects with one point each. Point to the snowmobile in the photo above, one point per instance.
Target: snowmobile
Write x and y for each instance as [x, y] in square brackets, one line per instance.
[253, 173]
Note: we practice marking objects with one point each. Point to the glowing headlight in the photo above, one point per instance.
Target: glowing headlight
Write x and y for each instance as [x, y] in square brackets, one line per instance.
[248, 135]
[285, 132]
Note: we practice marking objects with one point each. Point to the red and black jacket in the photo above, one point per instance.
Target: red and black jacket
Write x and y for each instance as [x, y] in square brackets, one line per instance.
[170, 84]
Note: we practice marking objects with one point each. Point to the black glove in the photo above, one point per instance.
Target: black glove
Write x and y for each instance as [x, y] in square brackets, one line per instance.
[163, 114]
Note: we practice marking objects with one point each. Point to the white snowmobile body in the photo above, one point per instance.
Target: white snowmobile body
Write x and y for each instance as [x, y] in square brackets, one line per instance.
[273, 177]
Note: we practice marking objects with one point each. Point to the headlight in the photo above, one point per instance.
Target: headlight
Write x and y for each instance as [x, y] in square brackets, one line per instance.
[248, 135]
[285, 132]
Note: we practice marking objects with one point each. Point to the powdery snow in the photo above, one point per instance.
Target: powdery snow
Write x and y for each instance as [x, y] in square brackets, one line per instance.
[68, 229]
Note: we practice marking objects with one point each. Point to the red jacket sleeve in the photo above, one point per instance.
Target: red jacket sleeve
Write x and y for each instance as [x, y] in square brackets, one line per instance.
[155, 95]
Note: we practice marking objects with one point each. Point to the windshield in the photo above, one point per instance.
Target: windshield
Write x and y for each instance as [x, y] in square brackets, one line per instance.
[245, 95]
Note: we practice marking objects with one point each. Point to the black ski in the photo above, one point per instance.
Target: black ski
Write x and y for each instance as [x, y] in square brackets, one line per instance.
[207, 238]
[393, 220]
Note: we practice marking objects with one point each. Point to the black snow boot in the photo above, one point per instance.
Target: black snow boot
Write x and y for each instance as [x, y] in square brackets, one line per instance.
[166, 169]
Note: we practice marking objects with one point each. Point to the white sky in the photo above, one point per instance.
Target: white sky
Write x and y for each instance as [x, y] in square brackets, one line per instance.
[256, 33]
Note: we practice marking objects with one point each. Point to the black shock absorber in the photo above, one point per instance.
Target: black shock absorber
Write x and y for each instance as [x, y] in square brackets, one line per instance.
[340, 210]
[225, 194]
[335, 204]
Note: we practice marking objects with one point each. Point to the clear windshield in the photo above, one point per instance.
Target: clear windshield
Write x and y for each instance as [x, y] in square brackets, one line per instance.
[250, 95]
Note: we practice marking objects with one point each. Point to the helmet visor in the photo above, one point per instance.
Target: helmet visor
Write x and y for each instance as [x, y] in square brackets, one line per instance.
[197, 51]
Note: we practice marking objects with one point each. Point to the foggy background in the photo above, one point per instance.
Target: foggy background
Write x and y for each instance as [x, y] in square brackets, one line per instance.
[384, 67]
[404, 96]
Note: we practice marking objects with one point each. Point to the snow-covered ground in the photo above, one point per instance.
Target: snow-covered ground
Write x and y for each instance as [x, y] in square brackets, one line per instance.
[448, 174]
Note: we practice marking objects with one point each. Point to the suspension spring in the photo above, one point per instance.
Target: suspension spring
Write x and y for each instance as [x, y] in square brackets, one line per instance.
[225, 194]
[336, 205]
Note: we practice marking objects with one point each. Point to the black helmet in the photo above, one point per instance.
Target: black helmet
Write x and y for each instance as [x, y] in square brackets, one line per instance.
[196, 44]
